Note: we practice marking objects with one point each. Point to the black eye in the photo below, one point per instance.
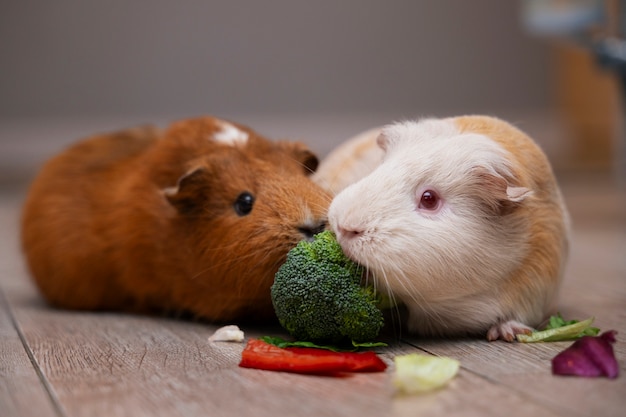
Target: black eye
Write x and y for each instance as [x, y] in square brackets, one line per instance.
[243, 204]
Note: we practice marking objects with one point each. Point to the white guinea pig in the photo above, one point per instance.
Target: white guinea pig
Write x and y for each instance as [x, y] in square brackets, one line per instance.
[462, 221]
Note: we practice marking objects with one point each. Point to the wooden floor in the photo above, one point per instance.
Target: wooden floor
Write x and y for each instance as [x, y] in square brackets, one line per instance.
[58, 363]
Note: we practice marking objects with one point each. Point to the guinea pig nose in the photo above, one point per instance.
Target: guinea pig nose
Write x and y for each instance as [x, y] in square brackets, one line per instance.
[311, 230]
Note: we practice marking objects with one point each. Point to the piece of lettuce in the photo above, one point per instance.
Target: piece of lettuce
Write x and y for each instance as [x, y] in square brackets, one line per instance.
[557, 321]
[559, 330]
[417, 373]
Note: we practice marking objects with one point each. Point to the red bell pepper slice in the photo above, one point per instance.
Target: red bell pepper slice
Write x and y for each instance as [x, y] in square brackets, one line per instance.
[261, 355]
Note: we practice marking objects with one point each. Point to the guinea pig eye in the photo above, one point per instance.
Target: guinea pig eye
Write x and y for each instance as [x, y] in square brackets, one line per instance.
[243, 204]
[429, 200]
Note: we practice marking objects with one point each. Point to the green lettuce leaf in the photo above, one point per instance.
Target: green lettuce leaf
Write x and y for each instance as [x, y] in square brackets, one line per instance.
[557, 321]
[282, 343]
[417, 373]
[559, 330]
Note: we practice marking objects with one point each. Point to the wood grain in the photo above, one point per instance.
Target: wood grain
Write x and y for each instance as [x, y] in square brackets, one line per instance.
[22, 392]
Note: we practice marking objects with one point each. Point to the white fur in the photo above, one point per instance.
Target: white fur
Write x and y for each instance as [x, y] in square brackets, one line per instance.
[351, 161]
[446, 265]
[230, 134]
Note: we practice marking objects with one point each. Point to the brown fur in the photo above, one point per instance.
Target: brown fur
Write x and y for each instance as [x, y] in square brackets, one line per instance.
[539, 274]
[142, 220]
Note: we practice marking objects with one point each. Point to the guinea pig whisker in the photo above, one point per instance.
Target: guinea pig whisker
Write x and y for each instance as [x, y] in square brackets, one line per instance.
[302, 164]
[416, 296]
[322, 207]
[396, 315]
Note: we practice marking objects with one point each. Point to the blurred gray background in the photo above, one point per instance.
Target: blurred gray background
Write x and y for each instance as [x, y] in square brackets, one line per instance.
[74, 58]
[319, 71]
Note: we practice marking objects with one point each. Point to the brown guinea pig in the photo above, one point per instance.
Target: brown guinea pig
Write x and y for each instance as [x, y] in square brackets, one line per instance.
[460, 219]
[196, 219]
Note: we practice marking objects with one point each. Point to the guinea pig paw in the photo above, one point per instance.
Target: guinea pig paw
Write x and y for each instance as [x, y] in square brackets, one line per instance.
[507, 330]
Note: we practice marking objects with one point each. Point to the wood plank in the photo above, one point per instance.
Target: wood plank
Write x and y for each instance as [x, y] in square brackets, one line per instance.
[525, 369]
[22, 392]
[148, 369]
[155, 366]
[470, 395]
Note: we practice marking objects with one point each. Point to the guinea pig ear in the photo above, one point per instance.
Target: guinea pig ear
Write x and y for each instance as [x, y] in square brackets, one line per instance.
[303, 155]
[185, 196]
[392, 134]
[497, 193]
[383, 141]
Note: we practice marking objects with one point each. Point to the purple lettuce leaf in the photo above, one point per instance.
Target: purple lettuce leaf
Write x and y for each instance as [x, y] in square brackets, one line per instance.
[590, 356]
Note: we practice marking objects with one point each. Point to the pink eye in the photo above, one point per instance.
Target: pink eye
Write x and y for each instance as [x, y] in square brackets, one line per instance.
[429, 200]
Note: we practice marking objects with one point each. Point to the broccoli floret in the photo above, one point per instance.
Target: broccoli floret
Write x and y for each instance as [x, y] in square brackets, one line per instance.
[317, 295]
